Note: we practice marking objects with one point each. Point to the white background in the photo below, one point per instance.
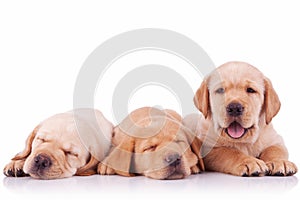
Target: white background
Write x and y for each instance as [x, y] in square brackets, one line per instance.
[43, 45]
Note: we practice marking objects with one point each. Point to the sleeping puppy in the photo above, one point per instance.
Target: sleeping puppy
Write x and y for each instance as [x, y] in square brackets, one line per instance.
[238, 103]
[153, 143]
[64, 145]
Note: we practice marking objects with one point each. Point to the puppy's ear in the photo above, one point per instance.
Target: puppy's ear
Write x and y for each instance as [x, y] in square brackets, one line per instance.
[196, 146]
[28, 145]
[89, 169]
[271, 101]
[201, 99]
[120, 156]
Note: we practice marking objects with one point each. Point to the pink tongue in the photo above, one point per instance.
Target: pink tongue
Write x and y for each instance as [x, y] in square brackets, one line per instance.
[235, 130]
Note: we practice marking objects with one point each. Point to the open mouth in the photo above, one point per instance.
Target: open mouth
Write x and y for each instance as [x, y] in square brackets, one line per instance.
[236, 131]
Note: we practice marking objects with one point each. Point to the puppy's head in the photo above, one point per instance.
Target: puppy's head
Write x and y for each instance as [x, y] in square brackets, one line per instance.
[239, 99]
[159, 147]
[57, 151]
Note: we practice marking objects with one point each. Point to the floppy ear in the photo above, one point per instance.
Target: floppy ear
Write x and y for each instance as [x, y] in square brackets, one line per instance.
[89, 169]
[25, 153]
[195, 144]
[120, 155]
[195, 147]
[271, 101]
[201, 99]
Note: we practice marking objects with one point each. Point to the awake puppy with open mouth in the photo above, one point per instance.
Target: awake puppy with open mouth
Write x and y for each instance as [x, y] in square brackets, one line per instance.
[238, 103]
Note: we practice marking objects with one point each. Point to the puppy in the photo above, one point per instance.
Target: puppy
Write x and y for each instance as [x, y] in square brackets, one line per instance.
[153, 143]
[238, 103]
[64, 145]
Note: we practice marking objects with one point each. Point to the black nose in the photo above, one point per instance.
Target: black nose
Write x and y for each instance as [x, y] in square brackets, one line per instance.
[235, 109]
[173, 159]
[42, 161]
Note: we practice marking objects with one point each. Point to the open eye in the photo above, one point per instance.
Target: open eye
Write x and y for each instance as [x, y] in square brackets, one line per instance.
[220, 90]
[150, 148]
[250, 90]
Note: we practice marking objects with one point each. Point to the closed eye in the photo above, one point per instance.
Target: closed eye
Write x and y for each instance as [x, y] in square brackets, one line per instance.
[150, 148]
[42, 140]
[70, 153]
[178, 141]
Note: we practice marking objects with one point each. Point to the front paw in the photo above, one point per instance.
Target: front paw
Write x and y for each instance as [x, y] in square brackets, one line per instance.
[195, 169]
[15, 169]
[281, 168]
[250, 167]
[105, 170]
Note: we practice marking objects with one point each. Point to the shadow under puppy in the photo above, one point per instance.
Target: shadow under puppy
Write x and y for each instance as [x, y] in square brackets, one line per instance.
[153, 143]
[238, 103]
[66, 144]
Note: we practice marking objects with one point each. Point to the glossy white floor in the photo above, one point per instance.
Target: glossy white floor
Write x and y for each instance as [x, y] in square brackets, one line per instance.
[207, 184]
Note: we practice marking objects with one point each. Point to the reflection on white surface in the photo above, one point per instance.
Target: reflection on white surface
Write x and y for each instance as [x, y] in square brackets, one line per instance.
[203, 184]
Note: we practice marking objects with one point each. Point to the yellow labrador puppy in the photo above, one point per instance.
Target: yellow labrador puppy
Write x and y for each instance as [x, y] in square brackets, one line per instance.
[153, 143]
[238, 103]
[64, 145]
